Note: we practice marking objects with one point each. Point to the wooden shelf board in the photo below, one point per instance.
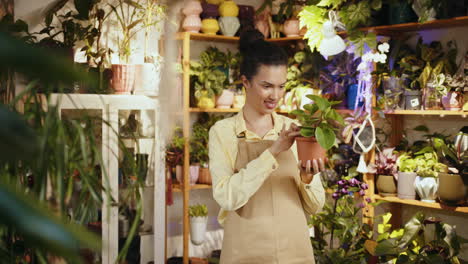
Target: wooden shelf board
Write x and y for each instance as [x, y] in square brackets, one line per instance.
[415, 26]
[423, 204]
[221, 38]
[178, 188]
[235, 110]
[428, 112]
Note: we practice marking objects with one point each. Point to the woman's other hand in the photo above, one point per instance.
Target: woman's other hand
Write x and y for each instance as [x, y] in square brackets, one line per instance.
[285, 139]
[312, 167]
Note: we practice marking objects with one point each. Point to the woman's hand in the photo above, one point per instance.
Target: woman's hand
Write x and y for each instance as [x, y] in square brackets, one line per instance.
[307, 173]
[285, 139]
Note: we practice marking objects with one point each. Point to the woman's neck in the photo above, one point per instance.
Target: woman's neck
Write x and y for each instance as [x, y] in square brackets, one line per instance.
[257, 122]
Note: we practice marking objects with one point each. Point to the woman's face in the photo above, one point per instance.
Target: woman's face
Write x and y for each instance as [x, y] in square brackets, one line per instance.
[266, 88]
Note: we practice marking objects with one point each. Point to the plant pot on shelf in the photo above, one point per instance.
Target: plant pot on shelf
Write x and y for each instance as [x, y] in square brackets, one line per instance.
[412, 99]
[209, 11]
[291, 28]
[400, 12]
[239, 101]
[192, 21]
[194, 171]
[351, 96]
[225, 100]
[431, 98]
[386, 185]
[180, 174]
[229, 8]
[406, 185]
[229, 25]
[426, 188]
[205, 101]
[123, 78]
[204, 176]
[309, 149]
[198, 229]
[452, 190]
[451, 101]
[210, 26]
[147, 78]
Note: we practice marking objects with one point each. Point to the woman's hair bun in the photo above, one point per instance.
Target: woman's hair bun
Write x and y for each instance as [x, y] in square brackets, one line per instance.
[248, 38]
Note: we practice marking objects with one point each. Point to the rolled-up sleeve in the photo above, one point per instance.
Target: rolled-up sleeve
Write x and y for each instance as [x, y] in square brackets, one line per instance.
[312, 195]
[232, 190]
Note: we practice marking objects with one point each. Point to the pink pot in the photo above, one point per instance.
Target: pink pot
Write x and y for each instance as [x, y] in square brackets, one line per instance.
[451, 101]
[291, 28]
[192, 23]
[192, 8]
[225, 100]
[123, 78]
[194, 171]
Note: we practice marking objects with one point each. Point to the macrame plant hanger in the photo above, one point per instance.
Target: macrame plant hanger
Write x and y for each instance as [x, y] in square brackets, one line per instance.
[358, 142]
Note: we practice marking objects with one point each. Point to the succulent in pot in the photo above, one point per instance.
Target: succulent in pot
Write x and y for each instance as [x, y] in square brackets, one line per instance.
[386, 170]
[319, 123]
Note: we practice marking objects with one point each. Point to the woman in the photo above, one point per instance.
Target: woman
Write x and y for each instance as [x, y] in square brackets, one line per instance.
[264, 197]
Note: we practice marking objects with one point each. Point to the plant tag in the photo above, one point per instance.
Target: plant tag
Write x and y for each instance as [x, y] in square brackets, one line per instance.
[414, 102]
[311, 232]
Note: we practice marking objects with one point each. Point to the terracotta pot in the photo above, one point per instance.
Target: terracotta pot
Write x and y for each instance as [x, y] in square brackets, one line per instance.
[229, 25]
[194, 171]
[303, 31]
[291, 28]
[147, 77]
[210, 26]
[225, 100]
[204, 176]
[406, 185]
[452, 189]
[229, 9]
[387, 185]
[451, 101]
[309, 149]
[426, 187]
[123, 78]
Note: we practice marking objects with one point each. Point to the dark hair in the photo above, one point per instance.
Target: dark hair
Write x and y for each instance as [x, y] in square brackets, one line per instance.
[256, 51]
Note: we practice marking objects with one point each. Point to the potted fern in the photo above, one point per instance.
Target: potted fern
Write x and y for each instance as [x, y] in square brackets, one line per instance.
[319, 123]
[198, 220]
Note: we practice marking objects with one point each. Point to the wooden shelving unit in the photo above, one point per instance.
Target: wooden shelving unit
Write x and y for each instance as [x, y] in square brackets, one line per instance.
[428, 112]
[396, 117]
[179, 187]
[440, 206]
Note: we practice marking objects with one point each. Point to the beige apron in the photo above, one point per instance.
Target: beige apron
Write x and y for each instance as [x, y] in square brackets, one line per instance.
[271, 228]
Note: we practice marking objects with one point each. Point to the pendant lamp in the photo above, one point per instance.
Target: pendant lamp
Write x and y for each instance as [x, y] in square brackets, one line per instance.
[331, 44]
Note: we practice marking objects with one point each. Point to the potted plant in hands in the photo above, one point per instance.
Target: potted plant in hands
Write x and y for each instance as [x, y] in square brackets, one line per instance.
[406, 176]
[453, 183]
[319, 124]
[386, 170]
[428, 167]
[198, 220]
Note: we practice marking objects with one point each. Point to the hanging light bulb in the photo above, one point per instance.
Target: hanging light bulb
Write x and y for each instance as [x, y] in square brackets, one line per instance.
[331, 44]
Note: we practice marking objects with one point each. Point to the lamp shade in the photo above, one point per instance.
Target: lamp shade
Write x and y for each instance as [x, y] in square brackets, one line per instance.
[331, 44]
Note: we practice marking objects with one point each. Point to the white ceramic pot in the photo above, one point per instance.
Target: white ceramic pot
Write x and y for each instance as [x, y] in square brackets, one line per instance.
[225, 100]
[123, 78]
[229, 25]
[194, 171]
[406, 185]
[198, 229]
[147, 78]
[426, 187]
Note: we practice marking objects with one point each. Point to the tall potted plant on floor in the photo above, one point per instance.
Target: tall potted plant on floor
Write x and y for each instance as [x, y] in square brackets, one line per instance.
[319, 123]
[386, 170]
[198, 221]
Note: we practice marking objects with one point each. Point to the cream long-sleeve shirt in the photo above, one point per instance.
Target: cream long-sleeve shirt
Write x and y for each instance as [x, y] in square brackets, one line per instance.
[233, 190]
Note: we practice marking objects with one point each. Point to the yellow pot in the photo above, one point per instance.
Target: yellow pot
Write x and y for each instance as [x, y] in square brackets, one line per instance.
[210, 26]
[214, 2]
[206, 102]
[229, 9]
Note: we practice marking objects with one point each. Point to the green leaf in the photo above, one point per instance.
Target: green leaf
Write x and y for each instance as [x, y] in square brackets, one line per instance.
[307, 132]
[312, 17]
[325, 137]
[312, 108]
[421, 128]
[322, 103]
[354, 15]
[83, 7]
[376, 4]
[297, 112]
[333, 3]
[360, 40]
